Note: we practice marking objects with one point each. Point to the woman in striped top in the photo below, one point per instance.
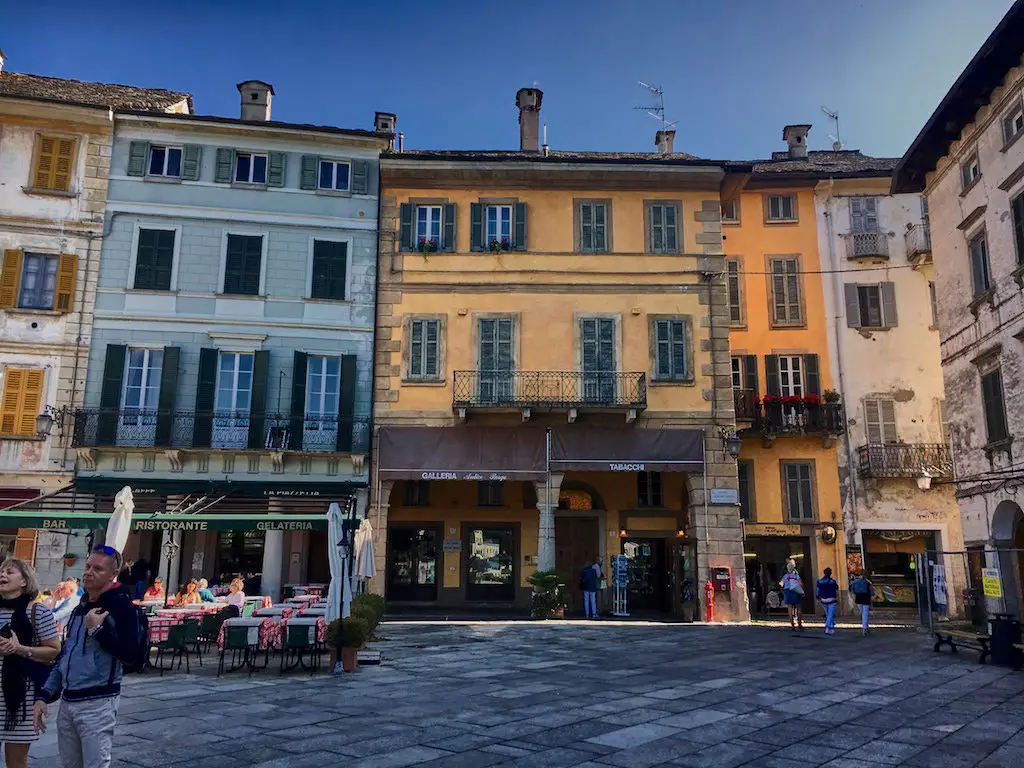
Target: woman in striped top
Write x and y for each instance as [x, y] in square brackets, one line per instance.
[29, 643]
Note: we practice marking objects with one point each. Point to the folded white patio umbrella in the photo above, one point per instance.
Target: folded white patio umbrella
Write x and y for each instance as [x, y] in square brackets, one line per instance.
[366, 562]
[121, 520]
[339, 594]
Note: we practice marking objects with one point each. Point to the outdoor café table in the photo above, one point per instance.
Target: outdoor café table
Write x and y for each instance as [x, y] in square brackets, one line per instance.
[263, 631]
[307, 589]
[160, 628]
[283, 611]
[316, 610]
[303, 599]
[317, 624]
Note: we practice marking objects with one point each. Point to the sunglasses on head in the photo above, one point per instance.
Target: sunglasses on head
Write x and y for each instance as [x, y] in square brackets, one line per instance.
[110, 552]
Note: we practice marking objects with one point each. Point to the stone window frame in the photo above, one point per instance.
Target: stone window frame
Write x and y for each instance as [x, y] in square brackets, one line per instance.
[739, 214]
[741, 291]
[349, 241]
[416, 202]
[577, 238]
[652, 351]
[772, 322]
[965, 185]
[766, 203]
[577, 331]
[442, 348]
[783, 463]
[517, 333]
[648, 240]
[37, 140]
[1015, 108]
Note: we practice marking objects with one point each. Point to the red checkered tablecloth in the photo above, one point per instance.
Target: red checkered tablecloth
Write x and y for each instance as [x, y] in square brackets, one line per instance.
[159, 628]
[317, 622]
[263, 632]
[284, 611]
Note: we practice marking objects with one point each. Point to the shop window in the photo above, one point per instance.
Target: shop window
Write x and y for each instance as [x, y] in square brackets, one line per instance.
[648, 489]
[417, 493]
[490, 493]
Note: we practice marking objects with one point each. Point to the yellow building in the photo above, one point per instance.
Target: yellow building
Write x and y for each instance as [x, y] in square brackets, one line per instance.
[552, 376]
[786, 403]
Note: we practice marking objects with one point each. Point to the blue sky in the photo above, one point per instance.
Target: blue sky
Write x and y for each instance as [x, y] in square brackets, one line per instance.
[734, 71]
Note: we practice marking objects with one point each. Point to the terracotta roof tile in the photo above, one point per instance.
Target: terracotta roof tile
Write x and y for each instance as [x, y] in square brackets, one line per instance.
[827, 163]
[20, 85]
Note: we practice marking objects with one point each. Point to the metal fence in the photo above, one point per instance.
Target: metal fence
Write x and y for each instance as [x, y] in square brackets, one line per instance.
[968, 587]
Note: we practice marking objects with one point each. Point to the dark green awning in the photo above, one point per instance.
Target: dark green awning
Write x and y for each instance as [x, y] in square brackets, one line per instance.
[22, 518]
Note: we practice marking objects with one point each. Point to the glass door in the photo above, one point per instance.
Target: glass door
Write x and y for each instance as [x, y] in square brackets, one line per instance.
[234, 397]
[320, 427]
[598, 341]
[136, 423]
[490, 564]
[647, 574]
[413, 555]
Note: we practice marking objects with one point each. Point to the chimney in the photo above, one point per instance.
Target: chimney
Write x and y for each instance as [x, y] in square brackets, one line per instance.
[384, 122]
[256, 96]
[528, 100]
[664, 141]
[796, 137]
[1, 61]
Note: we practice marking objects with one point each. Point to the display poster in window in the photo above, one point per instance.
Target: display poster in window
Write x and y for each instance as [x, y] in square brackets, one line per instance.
[990, 583]
[620, 571]
[939, 585]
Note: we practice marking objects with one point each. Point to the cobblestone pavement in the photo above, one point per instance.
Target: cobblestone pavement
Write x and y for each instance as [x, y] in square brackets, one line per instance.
[588, 694]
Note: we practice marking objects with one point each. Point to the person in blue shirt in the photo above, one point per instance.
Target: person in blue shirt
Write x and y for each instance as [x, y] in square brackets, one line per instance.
[204, 591]
[588, 586]
[828, 592]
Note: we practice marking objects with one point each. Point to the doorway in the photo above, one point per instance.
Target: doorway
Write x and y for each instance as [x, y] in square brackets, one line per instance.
[490, 563]
[648, 575]
[577, 544]
[766, 560]
[412, 568]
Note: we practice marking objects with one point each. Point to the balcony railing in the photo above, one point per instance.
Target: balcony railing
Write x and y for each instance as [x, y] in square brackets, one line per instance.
[867, 245]
[744, 403]
[133, 428]
[919, 241]
[774, 418]
[549, 389]
[905, 460]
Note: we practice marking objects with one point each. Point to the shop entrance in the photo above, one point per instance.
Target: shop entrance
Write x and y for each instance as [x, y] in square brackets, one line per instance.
[890, 559]
[412, 569]
[577, 545]
[490, 563]
[239, 553]
[648, 575]
[766, 558]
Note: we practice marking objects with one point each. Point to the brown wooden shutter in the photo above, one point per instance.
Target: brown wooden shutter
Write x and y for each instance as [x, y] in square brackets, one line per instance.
[64, 165]
[23, 390]
[25, 545]
[46, 151]
[10, 278]
[67, 270]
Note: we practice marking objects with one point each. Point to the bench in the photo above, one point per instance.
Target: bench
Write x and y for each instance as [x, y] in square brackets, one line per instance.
[955, 638]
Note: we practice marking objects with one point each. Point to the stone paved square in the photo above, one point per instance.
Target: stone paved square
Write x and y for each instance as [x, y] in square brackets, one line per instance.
[586, 694]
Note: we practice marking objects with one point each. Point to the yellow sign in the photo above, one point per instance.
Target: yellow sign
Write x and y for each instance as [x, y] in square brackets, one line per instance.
[771, 529]
[990, 582]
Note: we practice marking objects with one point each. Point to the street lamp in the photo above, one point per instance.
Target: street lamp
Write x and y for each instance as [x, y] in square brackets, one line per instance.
[46, 420]
[170, 548]
[733, 444]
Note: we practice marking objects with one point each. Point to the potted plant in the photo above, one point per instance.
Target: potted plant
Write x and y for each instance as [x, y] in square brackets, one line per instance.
[497, 246]
[348, 636]
[69, 559]
[830, 396]
[547, 602]
[427, 245]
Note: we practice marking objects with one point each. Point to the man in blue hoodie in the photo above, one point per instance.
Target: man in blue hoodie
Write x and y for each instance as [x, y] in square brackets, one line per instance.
[828, 592]
[102, 631]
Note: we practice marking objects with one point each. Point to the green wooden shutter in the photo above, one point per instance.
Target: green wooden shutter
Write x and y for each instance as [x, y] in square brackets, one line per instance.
[680, 369]
[519, 227]
[812, 383]
[448, 228]
[663, 360]
[671, 230]
[431, 358]
[476, 227]
[206, 392]
[852, 300]
[191, 157]
[347, 406]
[168, 396]
[296, 424]
[889, 315]
[225, 165]
[750, 373]
[310, 169]
[145, 260]
[360, 183]
[138, 153]
[258, 406]
[488, 345]
[110, 394]
[234, 264]
[773, 385]
[276, 162]
[405, 233]
[163, 264]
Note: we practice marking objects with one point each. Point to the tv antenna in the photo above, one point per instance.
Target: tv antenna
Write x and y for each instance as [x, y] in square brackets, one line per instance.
[657, 110]
[837, 144]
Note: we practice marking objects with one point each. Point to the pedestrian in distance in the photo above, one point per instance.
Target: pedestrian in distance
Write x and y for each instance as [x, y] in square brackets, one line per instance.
[29, 642]
[105, 632]
[793, 595]
[827, 592]
[863, 590]
[588, 586]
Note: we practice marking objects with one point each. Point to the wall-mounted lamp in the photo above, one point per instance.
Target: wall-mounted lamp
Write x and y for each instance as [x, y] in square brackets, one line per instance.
[623, 533]
[46, 420]
[733, 443]
[681, 533]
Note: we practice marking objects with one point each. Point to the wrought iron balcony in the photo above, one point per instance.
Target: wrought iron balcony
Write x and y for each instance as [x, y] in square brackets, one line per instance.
[776, 417]
[133, 428]
[744, 402]
[919, 242]
[867, 245]
[549, 389]
[910, 460]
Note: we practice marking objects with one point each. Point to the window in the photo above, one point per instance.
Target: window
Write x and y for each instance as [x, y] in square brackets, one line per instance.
[648, 489]
[731, 212]
[745, 471]
[54, 163]
[496, 359]
[143, 368]
[871, 306]
[1013, 124]
[785, 290]
[334, 175]
[672, 341]
[330, 262]
[934, 304]
[38, 281]
[663, 227]
[798, 485]
[978, 249]
[423, 349]
[780, 208]
[165, 161]
[22, 400]
[869, 300]
[593, 227]
[250, 168]
[234, 383]
[737, 372]
[498, 222]
[428, 225]
[970, 172]
[154, 260]
[417, 493]
[1017, 210]
[864, 214]
[243, 263]
[995, 407]
[791, 375]
[734, 285]
[880, 421]
[490, 493]
[940, 412]
[323, 378]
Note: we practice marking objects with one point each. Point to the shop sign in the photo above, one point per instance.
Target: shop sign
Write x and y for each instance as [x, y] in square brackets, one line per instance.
[725, 496]
[497, 477]
[990, 582]
[452, 545]
[614, 467]
[95, 520]
[771, 529]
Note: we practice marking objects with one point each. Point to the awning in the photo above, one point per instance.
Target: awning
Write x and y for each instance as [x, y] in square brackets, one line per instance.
[632, 450]
[99, 484]
[12, 518]
[462, 453]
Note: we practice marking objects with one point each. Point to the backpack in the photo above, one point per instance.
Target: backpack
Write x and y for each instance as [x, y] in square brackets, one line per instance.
[138, 657]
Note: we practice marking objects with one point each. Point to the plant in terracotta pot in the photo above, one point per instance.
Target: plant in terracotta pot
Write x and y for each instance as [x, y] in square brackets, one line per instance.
[547, 602]
[367, 614]
[348, 636]
[70, 558]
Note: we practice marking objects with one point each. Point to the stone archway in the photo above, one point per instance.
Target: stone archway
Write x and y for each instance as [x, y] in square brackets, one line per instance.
[596, 501]
[1007, 532]
[1006, 528]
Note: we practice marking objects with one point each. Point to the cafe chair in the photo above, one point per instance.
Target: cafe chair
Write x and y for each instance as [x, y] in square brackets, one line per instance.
[297, 642]
[175, 645]
[192, 634]
[209, 628]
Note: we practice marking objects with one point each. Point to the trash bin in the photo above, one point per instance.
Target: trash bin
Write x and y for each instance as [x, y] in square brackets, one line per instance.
[1004, 631]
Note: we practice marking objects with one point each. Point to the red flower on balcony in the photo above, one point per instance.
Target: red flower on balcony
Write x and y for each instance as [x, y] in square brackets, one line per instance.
[792, 400]
[771, 399]
[812, 399]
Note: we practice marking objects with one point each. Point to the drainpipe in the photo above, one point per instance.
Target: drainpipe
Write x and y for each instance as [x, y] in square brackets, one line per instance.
[374, 472]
